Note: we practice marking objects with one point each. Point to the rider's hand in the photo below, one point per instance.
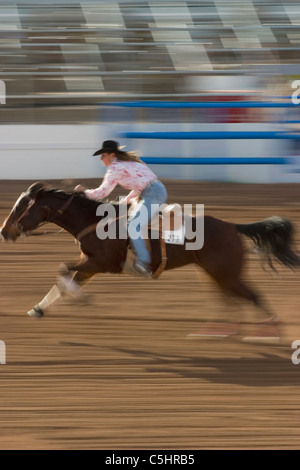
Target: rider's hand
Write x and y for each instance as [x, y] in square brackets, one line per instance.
[133, 201]
[79, 189]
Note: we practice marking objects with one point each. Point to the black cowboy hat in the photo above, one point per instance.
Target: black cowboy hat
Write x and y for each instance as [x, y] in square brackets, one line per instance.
[109, 146]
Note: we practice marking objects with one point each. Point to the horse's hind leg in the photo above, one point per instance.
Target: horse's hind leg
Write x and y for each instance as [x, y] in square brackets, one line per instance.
[222, 257]
[227, 276]
[241, 290]
[267, 329]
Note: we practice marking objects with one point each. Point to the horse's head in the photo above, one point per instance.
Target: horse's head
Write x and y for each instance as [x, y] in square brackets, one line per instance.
[26, 214]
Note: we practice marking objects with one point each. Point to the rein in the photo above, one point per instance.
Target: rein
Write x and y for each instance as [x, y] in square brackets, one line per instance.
[59, 212]
[65, 206]
[46, 232]
[91, 228]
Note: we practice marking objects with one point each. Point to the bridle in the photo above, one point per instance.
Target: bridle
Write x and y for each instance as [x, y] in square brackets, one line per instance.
[51, 218]
[32, 202]
[26, 210]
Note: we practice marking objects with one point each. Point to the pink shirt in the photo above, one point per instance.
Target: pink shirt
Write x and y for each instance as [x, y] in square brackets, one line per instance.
[130, 175]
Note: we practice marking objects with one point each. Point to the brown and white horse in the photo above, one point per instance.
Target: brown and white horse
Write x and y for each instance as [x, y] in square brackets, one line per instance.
[222, 255]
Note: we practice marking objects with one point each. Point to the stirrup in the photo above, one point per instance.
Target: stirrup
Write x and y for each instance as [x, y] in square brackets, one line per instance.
[138, 269]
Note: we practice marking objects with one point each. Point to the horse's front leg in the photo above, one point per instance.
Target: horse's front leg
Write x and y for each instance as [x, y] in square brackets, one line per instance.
[68, 284]
[73, 276]
[39, 310]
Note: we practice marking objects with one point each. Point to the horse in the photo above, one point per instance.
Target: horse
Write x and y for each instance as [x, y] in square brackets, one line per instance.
[222, 255]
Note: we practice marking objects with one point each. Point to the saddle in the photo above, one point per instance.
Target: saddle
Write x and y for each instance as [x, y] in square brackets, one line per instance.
[168, 227]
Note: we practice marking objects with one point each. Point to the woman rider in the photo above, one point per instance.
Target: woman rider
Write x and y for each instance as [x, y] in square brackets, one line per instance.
[127, 170]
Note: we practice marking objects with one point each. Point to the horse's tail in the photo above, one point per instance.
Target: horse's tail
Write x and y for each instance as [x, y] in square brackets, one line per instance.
[273, 239]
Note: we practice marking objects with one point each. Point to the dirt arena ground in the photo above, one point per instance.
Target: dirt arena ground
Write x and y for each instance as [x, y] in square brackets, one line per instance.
[122, 373]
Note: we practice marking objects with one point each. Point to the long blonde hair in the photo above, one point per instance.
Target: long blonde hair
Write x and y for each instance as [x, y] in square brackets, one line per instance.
[128, 157]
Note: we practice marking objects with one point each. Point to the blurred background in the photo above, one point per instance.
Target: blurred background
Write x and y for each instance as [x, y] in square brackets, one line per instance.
[198, 81]
[65, 63]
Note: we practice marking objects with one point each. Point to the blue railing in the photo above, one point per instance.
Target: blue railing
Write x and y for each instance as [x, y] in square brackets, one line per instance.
[203, 105]
[210, 135]
[215, 161]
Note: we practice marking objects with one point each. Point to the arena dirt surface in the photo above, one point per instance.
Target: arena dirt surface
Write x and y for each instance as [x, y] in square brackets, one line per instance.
[122, 373]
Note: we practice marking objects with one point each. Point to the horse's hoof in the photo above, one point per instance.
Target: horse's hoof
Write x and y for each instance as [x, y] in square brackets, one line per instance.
[266, 332]
[217, 330]
[262, 339]
[36, 312]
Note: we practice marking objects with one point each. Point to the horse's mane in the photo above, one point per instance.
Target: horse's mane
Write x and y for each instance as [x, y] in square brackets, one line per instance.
[80, 198]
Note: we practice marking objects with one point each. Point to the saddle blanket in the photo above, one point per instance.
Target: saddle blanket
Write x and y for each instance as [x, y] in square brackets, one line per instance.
[172, 225]
[174, 221]
[174, 237]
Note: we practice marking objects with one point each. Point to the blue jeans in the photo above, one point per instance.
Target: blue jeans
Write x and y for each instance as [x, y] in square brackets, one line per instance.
[155, 193]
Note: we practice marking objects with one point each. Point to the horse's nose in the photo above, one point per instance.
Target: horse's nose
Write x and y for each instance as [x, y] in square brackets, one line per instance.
[3, 234]
[2, 231]
[10, 233]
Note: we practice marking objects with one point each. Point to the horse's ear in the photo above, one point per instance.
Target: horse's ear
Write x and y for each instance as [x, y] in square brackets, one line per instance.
[35, 189]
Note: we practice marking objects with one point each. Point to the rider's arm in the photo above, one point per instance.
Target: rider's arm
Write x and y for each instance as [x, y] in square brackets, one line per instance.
[108, 185]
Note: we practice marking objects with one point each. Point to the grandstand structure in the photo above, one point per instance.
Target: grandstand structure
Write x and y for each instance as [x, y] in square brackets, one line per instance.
[202, 87]
[80, 53]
